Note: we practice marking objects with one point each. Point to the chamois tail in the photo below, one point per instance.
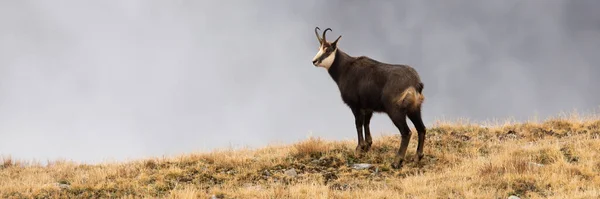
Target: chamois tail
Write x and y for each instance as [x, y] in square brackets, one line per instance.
[412, 98]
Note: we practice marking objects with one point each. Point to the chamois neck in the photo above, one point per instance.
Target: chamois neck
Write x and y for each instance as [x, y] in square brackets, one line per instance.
[340, 64]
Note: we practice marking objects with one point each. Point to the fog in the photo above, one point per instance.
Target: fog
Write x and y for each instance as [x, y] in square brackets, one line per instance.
[91, 81]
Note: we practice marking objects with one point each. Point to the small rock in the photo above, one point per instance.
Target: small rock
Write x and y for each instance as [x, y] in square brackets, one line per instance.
[267, 173]
[217, 196]
[361, 166]
[291, 172]
[64, 186]
[340, 187]
[513, 197]
[61, 185]
[536, 164]
[512, 134]
[328, 176]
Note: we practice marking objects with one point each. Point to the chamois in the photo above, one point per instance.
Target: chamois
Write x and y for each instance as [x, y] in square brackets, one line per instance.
[367, 85]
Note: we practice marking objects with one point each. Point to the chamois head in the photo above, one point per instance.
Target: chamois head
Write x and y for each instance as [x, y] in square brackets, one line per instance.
[327, 50]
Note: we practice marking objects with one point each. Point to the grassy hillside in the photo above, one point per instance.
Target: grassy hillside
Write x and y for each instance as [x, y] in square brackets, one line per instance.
[556, 158]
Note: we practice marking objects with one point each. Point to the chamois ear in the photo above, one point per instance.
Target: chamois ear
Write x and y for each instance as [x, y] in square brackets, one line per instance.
[334, 43]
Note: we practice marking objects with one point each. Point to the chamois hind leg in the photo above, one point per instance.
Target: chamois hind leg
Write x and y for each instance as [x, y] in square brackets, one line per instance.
[399, 119]
[417, 120]
[358, 121]
[368, 139]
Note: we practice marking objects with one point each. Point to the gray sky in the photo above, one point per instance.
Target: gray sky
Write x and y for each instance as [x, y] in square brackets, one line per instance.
[96, 80]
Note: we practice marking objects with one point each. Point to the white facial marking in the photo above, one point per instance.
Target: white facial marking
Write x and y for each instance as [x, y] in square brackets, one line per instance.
[321, 51]
[327, 61]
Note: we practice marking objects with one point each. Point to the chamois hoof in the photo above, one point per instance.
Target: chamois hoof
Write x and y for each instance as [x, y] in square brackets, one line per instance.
[418, 157]
[397, 165]
[359, 149]
[366, 147]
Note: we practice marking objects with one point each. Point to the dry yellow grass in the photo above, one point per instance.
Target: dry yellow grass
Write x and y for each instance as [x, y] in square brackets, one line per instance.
[556, 158]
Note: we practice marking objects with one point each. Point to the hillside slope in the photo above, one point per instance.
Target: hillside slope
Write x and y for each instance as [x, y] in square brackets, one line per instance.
[558, 158]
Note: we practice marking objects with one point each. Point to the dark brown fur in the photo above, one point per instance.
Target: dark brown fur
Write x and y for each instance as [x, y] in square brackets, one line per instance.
[367, 85]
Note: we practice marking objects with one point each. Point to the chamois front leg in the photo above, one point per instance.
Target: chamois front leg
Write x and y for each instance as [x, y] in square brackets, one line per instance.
[368, 139]
[358, 121]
